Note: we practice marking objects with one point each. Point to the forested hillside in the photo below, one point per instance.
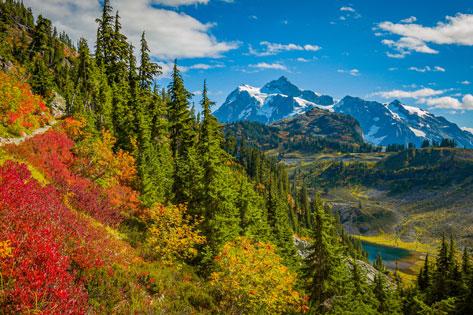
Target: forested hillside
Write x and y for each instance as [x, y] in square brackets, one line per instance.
[132, 203]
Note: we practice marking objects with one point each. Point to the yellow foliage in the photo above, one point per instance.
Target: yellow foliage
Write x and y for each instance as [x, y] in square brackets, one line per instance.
[251, 279]
[6, 250]
[172, 234]
[96, 160]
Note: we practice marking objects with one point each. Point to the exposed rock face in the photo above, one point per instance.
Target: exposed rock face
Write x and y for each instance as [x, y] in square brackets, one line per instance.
[58, 106]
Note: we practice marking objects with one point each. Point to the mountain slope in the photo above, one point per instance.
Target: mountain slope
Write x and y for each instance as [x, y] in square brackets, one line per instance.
[322, 123]
[382, 124]
[385, 124]
[315, 131]
[276, 100]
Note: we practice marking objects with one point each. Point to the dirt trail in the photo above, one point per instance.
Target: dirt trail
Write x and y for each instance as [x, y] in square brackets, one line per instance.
[16, 141]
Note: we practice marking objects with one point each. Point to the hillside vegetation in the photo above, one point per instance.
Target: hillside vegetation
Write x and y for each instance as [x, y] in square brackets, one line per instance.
[130, 204]
[417, 194]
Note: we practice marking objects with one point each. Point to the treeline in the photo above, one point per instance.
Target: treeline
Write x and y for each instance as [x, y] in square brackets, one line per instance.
[426, 143]
[428, 168]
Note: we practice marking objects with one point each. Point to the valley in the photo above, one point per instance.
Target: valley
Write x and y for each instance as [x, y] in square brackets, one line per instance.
[124, 189]
[415, 187]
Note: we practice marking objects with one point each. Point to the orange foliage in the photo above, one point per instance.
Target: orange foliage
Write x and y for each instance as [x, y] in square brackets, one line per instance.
[20, 110]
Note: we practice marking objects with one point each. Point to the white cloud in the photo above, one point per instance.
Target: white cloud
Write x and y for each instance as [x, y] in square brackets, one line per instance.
[410, 19]
[466, 82]
[468, 129]
[276, 48]
[302, 59]
[430, 97]
[167, 67]
[170, 34]
[348, 12]
[448, 102]
[427, 69]
[347, 9]
[405, 45]
[456, 30]
[204, 66]
[352, 72]
[177, 3]
[416, 94]
[274, 66]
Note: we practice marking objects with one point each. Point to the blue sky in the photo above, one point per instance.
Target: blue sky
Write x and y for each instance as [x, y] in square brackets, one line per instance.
[418, 51]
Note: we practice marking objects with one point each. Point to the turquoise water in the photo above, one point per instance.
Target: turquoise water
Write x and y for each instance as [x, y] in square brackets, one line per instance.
[389, 254]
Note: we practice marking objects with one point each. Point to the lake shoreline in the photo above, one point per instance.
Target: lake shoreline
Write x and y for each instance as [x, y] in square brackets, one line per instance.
[409, 260]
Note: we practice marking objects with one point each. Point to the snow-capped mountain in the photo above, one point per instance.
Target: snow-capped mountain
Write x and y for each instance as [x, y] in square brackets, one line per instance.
[276, 100]
[385, 124]
[382, 124]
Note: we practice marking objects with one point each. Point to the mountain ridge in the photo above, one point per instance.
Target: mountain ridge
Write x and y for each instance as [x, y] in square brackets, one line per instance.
[382, 124]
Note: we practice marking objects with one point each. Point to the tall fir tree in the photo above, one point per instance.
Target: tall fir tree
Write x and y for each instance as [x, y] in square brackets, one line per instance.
[148, 70]
[103, 48]
[181, 134]
[324, 256]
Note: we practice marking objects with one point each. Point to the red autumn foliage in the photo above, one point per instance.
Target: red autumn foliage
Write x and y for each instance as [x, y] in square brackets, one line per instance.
[36, 276]
[51, 244]
[52, 154]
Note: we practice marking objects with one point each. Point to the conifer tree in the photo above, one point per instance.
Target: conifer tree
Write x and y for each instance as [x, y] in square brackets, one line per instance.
[103, 48]
[324, 257]
[378, 263]
[148, 70]
[42, 80]
[181, 134]
[305, 216]
[210, 137]
[180, 120]
[423, 280]
[440, 275]
[119, 54]
[466, 263]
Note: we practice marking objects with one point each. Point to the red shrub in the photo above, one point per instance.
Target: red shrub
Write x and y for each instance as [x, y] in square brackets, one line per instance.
[51, 244]
[51, 153]
[37, 277]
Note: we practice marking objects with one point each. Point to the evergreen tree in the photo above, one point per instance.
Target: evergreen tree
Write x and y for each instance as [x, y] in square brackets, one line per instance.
[181, 134]
[103, 48]
[119, 54]
[440, 276]
[466, 263]
[148, 69]
[210, 138]
[378, 263]
[305, 208]
[423, 279]
[324, 256]
[42, 80]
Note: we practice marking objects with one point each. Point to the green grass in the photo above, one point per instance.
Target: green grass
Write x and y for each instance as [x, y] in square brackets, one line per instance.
[393, 241]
